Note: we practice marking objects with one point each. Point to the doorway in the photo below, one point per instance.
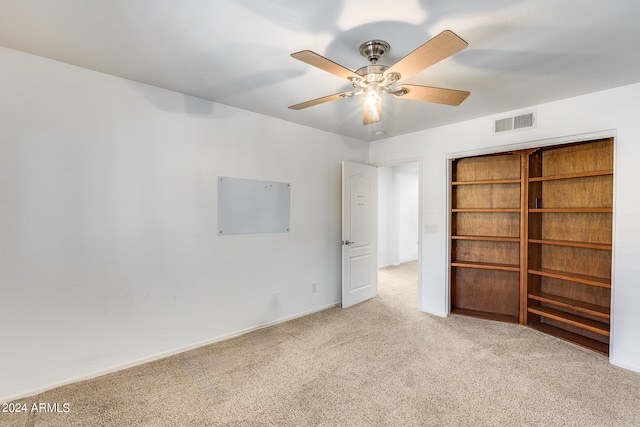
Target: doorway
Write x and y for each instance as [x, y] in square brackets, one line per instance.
[399, 224]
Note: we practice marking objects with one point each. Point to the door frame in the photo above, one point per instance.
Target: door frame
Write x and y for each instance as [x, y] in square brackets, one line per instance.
[419, 161]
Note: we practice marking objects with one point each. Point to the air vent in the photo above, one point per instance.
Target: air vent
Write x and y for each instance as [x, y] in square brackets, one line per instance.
[504, 125]
[519, 122]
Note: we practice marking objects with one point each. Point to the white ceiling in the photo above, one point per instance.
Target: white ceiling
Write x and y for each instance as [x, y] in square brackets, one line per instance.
[236, 52]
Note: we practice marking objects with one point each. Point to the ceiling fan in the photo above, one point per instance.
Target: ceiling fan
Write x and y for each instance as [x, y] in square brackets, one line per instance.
[374, 79]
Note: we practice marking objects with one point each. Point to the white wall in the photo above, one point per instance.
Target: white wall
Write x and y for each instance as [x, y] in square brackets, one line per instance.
[108, 247]
[615, 111]
[387, 237]
[398, 214]
[108, 250]
[407, 183]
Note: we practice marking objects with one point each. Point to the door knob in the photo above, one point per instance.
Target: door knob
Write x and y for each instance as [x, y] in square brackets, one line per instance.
[346, 242]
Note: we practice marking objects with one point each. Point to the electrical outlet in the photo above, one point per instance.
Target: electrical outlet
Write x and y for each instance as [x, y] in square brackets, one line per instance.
[314, 287]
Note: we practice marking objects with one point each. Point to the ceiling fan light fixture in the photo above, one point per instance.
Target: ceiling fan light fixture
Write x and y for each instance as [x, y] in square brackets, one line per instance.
[373, 79]
[372, 105]
[372, 114]
[372, 95]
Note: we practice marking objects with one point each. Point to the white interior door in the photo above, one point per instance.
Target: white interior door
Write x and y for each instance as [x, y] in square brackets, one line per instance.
[359, 233]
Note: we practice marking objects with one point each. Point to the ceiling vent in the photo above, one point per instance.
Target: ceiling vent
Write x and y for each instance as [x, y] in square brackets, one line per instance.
[519, 122]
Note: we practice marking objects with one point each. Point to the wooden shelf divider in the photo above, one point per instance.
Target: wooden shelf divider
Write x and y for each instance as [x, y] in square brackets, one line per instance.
[485, 265]
[487, 182]
[572, 304]
[572, 244]
[571, 319]
[488, 238]
[571, 176]
[485, 315]
[580, 340]
[486, 210]
[572, 277]
[571, 210]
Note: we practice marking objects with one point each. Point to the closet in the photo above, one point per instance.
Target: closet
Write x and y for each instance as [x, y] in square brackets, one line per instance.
[531, 239]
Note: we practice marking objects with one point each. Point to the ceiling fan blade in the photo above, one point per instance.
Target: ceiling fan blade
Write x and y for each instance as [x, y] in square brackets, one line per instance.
[371, 111]
[321, 100]
[325, 64]
[433, 94]
[435, 50]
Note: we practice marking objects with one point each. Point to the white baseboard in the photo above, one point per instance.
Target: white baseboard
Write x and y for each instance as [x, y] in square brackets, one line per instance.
[159, 356]
[628, 366]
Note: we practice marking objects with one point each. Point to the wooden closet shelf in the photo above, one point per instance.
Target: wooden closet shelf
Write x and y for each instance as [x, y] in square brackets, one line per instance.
[573, 277]
[488, 181]
[571, 175]
[488, 238]
[485, 315]
[571, 319]
[557, 214]
[571, 210]
[486, 210]
[581, 306]
[586, 245]
[580, 340]
[485, 266]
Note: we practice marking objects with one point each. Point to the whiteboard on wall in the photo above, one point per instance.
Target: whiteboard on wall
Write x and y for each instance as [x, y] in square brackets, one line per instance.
[248, 206]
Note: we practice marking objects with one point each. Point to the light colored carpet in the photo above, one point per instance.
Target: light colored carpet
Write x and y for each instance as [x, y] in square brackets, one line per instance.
[380, 363]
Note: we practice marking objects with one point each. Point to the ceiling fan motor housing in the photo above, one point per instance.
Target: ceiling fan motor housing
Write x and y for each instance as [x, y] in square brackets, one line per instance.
[374, 49]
